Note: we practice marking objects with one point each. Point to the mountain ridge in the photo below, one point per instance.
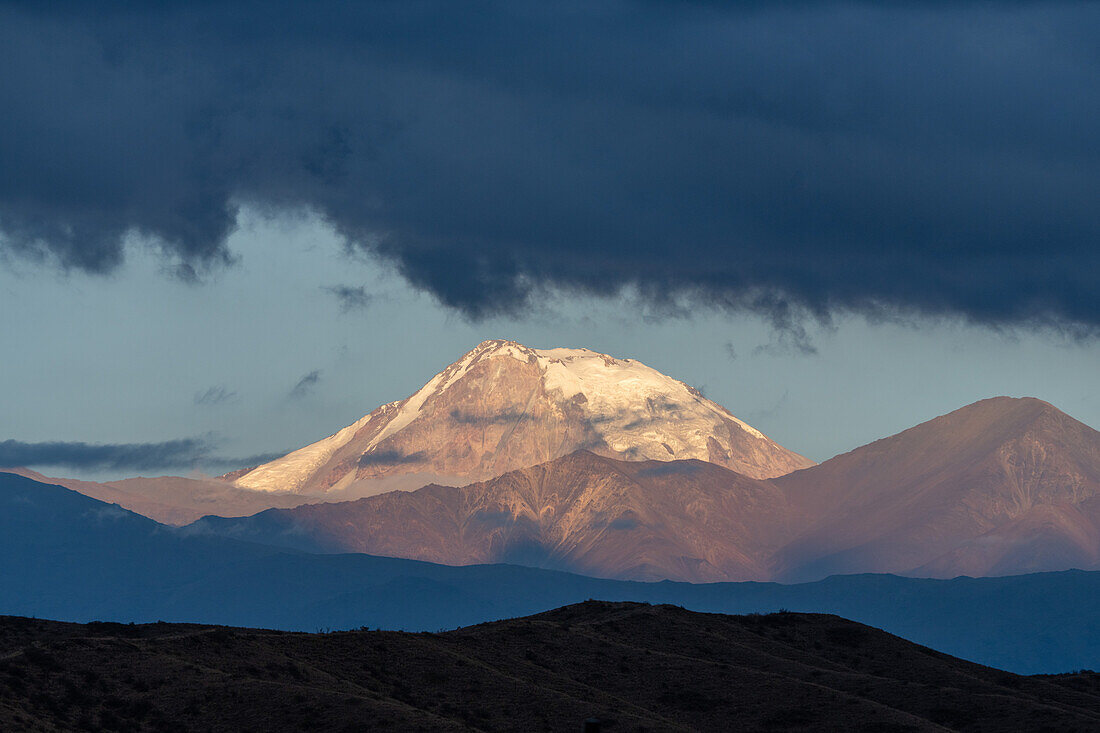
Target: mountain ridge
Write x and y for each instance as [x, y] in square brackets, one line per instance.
[930, 500]
[641, 520]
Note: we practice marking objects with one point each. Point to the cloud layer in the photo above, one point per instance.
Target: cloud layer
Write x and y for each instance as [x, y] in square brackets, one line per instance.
[787, 158]
[185, 453]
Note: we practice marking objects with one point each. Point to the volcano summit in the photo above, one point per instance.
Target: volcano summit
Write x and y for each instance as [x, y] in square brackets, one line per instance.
[504, 406]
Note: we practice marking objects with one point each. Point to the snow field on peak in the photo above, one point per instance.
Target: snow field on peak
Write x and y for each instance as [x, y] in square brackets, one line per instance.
[612, 385]
[638, 411]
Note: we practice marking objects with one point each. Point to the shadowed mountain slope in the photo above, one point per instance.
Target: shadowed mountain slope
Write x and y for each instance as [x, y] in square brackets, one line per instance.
[647, 520]
[1001, 486]
[631, 666]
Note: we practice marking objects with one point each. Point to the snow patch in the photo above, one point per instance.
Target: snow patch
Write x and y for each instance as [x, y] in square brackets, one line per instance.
[635, 407]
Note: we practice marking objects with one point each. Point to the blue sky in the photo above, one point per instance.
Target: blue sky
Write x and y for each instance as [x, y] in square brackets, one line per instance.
[138, 356]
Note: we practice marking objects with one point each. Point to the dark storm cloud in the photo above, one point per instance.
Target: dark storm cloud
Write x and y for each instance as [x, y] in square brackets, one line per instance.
[785, 158]
[171, 454]
[306, 384]
[350, 298]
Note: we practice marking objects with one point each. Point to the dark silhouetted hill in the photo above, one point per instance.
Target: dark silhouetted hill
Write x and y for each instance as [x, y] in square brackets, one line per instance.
[632, 666]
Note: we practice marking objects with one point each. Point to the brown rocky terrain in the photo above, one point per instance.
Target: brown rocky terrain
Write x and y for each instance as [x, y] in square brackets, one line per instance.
[630, 666]
[643, 520]
[998, 487]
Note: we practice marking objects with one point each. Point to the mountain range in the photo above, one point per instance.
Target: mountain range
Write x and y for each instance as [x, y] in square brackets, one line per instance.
[66, 556]
[500, 407]
[572, 460]
[1003, 486]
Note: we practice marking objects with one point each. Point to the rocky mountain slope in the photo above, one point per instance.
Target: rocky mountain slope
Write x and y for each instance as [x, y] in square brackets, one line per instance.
[642, 520]
[504, 406]
[999, 487]
[630, 666]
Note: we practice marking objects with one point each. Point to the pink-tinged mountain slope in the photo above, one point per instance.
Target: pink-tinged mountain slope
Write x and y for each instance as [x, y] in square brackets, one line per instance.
[999, 487]
[646, 520]
[504, 406]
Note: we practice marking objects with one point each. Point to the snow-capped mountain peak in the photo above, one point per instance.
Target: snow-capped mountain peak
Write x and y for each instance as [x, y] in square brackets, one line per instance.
[504, 406]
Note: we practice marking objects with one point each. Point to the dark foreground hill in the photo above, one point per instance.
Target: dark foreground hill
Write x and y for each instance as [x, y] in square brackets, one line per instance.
[632, 666]
[70, 557]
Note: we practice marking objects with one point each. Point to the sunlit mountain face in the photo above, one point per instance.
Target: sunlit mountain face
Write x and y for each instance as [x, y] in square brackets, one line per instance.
[999, 487]
[505, 406]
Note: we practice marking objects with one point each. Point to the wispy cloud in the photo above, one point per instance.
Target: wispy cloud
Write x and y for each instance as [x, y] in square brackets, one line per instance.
[791, 342]
[184, 453]
[215, 395]
[350, 298]
[768, 413]
[305, 385]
